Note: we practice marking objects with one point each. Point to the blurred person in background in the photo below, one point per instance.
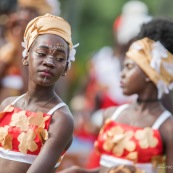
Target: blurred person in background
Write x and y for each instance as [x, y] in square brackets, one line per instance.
[160, 29]
[157, 29]
[6, 7]
[137, 137]
[13, 75]
[103, 88]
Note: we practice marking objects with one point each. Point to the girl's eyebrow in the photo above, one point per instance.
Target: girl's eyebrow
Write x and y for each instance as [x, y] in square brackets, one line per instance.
[43, 46]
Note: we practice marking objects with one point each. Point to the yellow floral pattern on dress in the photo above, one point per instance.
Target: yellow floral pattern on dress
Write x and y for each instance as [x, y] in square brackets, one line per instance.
[3, 132]
[38, 120]
[146, 138]
[7, 143]
[133, 156]
[5, 138]
[30, 128]
[116, 140]
[20, 120]
[42, 134]
[2, 114]
[27, 141]
[125, 169]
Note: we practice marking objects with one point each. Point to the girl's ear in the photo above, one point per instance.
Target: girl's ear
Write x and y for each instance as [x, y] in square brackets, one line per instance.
[25, 61]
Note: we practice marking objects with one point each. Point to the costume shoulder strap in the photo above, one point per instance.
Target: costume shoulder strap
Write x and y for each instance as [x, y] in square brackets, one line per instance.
[118, 111]
[161, 119]
[17, 99]
[56, 107]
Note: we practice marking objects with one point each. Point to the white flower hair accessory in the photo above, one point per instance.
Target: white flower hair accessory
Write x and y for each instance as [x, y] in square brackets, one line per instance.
[72, 55]
[25, 51]
[162, 89]
[158, 52]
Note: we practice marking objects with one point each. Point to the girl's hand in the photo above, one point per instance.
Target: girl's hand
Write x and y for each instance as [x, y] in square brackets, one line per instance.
[77, 169]
[125, 169]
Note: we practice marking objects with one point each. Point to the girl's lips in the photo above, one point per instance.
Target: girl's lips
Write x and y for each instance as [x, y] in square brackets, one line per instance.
[46, 73]
[121, 84]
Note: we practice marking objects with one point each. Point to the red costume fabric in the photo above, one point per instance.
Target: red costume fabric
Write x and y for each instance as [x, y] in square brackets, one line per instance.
[23, 133]
[140, 145]
[22, 127]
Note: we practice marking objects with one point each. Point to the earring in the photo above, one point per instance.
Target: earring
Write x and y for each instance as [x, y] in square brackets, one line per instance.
[26, 63]
[147, 79]
[64, 74]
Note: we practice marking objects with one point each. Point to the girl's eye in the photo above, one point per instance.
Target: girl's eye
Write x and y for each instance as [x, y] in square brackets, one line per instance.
[60, 59]
[129, 66]
[41, 54]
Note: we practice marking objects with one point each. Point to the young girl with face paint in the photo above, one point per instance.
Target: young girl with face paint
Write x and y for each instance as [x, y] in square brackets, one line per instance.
[137, 137]
[37, 127]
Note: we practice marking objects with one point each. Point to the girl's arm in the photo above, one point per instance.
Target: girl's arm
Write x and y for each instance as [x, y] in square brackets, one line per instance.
[60, 137]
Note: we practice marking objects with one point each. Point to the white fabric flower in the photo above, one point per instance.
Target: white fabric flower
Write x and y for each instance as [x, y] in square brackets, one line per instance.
[158, 52]
[72, 54]
[162, 88]
[25, 51]
[168, 67]
[170, 86]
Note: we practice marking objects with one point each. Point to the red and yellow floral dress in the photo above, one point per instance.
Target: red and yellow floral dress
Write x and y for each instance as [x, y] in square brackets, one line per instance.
[23, 133]
[121, 144]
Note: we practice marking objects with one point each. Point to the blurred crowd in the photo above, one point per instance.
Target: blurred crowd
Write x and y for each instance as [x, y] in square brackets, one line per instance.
[14, 16]
[101, 88]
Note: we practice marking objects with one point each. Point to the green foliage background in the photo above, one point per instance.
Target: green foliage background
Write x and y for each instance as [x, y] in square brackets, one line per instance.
[92, 21]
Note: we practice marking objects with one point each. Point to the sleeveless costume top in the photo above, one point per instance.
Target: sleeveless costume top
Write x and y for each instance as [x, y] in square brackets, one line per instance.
[23, 133]
[124, 144]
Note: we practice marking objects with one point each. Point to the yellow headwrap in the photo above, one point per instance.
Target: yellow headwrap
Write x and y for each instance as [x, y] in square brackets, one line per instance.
[155, 61]
[47, 24]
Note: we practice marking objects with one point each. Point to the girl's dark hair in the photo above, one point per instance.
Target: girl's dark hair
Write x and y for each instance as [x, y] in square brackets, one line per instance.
[158, 29]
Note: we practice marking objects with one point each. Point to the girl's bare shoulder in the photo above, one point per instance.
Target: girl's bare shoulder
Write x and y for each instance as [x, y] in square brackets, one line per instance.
[109, 112]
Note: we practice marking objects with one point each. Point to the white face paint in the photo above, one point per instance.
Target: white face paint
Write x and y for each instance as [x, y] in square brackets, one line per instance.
[49, 60]
[44, 81]
[52, 48]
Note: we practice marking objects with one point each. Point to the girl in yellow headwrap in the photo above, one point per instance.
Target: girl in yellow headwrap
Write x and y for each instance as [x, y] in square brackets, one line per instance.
[137, 137]
[37, 127]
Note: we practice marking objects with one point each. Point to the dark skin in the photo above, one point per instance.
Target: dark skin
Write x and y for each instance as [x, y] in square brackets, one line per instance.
[42, 78]
[135, 81]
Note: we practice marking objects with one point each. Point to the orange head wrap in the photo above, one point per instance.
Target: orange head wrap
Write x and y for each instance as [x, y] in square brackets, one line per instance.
[155, 61]
[47, 24]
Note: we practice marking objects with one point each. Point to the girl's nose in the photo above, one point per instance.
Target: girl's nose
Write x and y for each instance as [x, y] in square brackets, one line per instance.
[49, 61]
[122, 74]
